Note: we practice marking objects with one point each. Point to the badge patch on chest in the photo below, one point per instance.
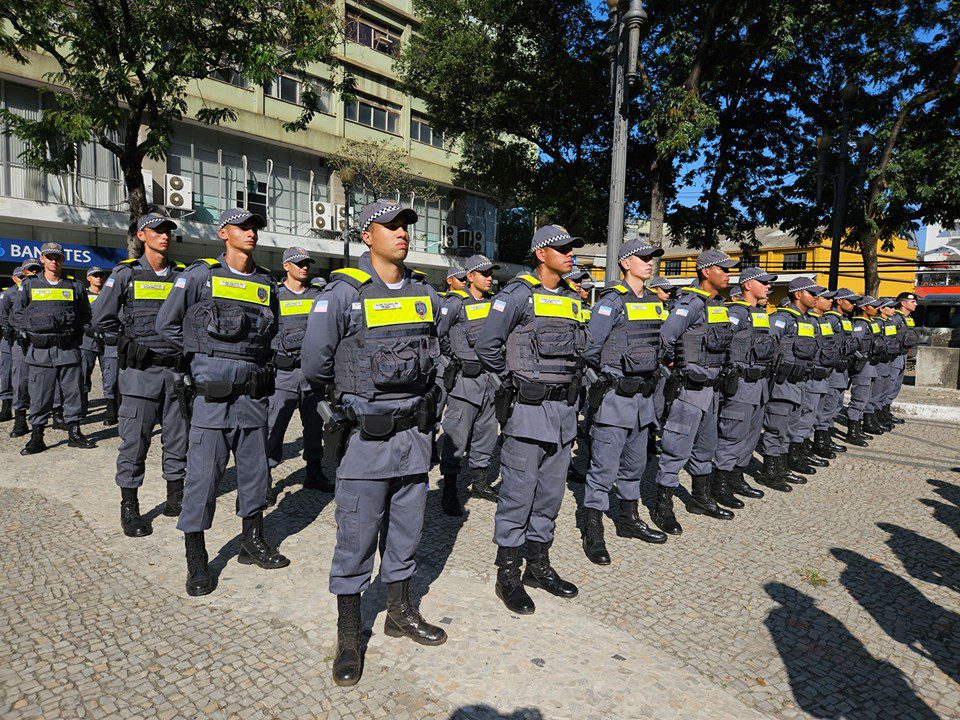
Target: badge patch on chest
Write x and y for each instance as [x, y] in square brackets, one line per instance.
[420, 307]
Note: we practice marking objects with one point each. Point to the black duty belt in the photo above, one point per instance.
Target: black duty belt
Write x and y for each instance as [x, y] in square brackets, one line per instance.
[752, 374]
[382, 426]
[165, 361]
[691, 384]
[532, 393]
[286, 362]
[64, 341]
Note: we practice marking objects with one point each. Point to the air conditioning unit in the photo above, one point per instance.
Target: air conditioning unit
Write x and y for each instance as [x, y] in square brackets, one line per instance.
[178, 192]
[478, 241]
[450, 231]
[340, 217]
[319, 216]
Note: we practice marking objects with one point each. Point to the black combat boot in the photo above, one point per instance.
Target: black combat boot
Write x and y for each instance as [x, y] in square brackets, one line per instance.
[855, 434]
[20, 427]
[797, 460]
[772, 474]
[871, 425]
[885, 419]
[662, 514]
[509, 588]
[6, 410]
[403, 620]
[888, 411]
[540, 574]
[720, 490]
[702, 502]
[174, 503]
[254, 549]
[77, 439]
[786, 471]
[132, 523]
[482, 489]
[593, 545]
[806, 447]
[56, 419]
[835, 447]
[821, 445]
[111, 418]
[740, 486]
[348, 664]
[35, 444]
[199, 580]
[316, 479]
[449, 500]
[630, 525]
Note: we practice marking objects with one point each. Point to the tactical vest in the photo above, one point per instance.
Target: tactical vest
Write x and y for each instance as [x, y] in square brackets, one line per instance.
[394, 353]
[830, 347]
[909, 335]
[141, 303]
[706, 344]
[464, 332]
[546, 346]
[294, 312]
[849, 343]
[754, 347]
[233, 318]
[865, 340]
[633, 346]
[800, 348]
[50, 316]
[891, 338]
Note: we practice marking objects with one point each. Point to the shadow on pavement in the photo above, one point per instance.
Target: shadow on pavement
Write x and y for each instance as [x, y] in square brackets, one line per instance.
[832, 674]
[948, 491]
[485, 712]
[903, 612]
[949, 515]
[925, 559]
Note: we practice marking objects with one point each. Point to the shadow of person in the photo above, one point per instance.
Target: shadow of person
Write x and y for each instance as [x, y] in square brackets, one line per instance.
[948, 491]
[485, 712]
[925, 559]
[949, 515]
[903, 612]
[832, 674]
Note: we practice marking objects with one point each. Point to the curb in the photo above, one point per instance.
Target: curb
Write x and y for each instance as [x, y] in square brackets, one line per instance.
[942, 413]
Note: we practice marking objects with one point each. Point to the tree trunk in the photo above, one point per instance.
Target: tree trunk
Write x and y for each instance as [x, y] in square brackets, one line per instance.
[137, 199]
[658, 207]
[871, 276]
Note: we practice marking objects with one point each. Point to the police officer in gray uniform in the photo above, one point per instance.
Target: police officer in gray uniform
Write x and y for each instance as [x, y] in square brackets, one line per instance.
[886, 371]
[623, 344]
[372, 336]
[829, 355]
[99, 346]
[456, 280]
[51, 310]
[125, 316]
[533, 339]
[839, 319]
[909, 338]
[19, 374]
[696, 341]
[7, 338]
[866, 332]
[753, 352]
[665, 292]
[293, 391]
[834, 350]
[223, 314]
[469, 423]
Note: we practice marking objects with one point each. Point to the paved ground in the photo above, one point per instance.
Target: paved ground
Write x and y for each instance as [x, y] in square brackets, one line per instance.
[838, 600]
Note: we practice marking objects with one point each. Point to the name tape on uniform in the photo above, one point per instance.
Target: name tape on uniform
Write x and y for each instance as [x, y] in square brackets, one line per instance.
[240, 290]
[398, 311]
[300, 306]
[51, 293]
[151, 290]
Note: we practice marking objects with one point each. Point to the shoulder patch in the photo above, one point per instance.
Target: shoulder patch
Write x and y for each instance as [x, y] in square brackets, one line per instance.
[525, 279]
[352, 276]
[205, 262]
[179, 266]
[129, 261]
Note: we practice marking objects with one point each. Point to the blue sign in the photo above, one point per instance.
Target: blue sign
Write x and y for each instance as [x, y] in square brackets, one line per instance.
[16, 251]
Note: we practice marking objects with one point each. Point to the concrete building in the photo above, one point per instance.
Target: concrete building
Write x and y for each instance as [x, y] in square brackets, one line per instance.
[252, 162]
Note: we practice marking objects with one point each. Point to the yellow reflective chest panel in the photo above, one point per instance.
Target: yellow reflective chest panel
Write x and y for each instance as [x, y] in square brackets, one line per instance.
[805, 330]
[398, 311]
[91, 297]
[890, 329]
[557, 307]
[298, 306]
[847, 325]
[240, 290]
[875, 327]
[477, 311]
[760, 320]
[910, 322]
[717, 314]
[151, 289]
[826, 328]
[645, 311]
[51, 294]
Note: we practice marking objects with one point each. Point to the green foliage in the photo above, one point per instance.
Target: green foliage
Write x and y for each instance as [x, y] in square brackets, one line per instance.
[382, 169]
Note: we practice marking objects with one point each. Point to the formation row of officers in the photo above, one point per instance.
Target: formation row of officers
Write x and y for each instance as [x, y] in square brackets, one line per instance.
[220, 356]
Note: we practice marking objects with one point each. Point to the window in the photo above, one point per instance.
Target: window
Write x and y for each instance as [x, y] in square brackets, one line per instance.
[671, 267]
[291, 90]
[421, 131]
[378, 114]
[365, 32]
[229, 76]
[794, 261]
[750, 261]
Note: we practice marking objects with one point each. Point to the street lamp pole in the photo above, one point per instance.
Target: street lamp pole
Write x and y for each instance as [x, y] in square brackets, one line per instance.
[840, 187]
[347, 177]
[626, 47]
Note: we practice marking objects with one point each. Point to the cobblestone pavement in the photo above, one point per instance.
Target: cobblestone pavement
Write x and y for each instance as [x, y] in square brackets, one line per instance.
[837, 600]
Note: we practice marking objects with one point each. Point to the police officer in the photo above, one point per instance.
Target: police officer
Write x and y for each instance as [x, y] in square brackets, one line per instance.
[456, 280]
[735, 293]
[125, 316]
[223, 313]
[99, 346]
[7, 338]
[866, 333]
[909, 338]
[293, 391]
[19, 374]
[753, 352]
[533, 340]
[696, 340]
[886, 370]
[581, 281]
[830, 354]
[469, 421]
[51, 309]
[372, 336]
[665, 293]
[839, 380]
[664, 290]
[623, 344]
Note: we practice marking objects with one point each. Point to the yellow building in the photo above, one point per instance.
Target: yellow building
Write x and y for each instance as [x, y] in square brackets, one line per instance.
[779, 254]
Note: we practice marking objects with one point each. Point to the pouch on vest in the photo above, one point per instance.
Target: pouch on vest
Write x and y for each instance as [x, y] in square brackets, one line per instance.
[628, 386]
[831, 354]
[805, 348]
[910, 338]
[639, 362]
[472, 333]
[717, 339]
[401, 365]
[225, 322]
[764, 350]
[471, 368]
[139, 322]
[291, 341]
[556, 341]
[44, 322]
[531, 393]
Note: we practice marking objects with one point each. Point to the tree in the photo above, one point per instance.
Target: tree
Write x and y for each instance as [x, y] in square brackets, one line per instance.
[124, 68]
[382, 169]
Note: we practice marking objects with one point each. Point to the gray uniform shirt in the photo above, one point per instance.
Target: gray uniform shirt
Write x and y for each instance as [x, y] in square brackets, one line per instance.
[476, 390]
[52, 356]
[748, 392]
[689, 311]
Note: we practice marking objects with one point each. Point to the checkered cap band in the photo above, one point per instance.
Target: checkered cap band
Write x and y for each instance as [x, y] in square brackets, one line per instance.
[379, 213]
[232, 218]
[552, 239]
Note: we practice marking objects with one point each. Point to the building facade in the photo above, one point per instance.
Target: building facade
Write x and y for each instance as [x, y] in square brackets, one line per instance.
[254, 162]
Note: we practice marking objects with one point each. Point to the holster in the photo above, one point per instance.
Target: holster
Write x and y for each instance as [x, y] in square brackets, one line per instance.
[337, 428]
[450, 373]
[728, 381]
[185, 390]
[598, 389]
[427, 414]
[503, 401]
[262, 382]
